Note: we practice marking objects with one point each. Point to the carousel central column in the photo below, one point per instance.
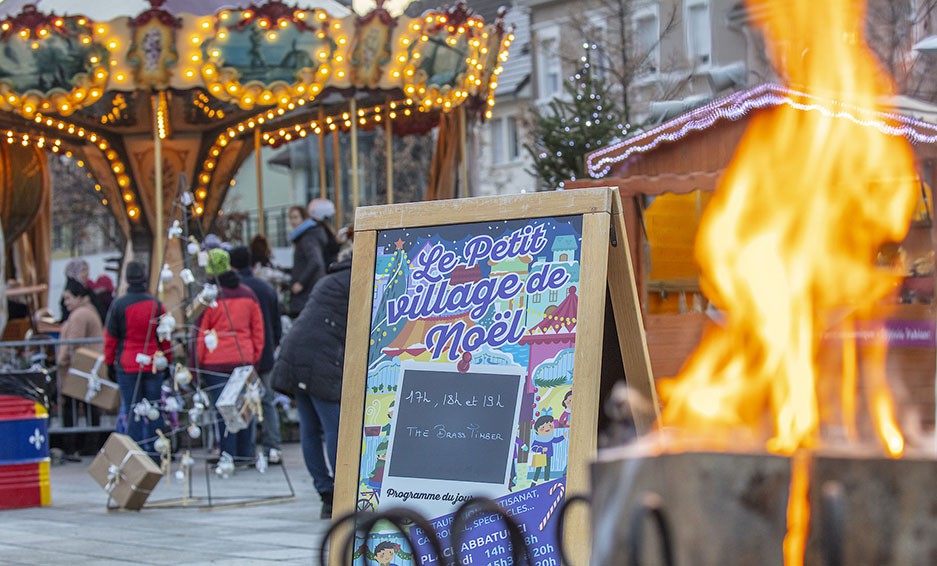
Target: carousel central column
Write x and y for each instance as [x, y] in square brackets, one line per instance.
[158, 185]
[260, 184]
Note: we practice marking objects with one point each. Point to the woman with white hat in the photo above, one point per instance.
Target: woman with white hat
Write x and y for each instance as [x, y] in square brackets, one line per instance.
[314, 248]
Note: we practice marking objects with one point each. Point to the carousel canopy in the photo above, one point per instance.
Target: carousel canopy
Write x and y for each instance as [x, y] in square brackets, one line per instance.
[114, 84]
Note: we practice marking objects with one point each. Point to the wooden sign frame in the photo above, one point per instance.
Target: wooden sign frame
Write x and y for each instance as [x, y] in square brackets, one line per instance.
[604, 262]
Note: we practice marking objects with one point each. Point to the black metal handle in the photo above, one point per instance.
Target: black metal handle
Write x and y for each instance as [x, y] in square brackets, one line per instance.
[561, 523]
[650, 504]
[365, 522]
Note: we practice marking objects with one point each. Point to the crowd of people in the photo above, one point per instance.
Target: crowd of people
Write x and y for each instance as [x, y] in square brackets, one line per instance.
[243, 326]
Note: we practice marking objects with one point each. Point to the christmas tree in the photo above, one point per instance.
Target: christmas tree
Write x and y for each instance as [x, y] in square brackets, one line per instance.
[568, 128]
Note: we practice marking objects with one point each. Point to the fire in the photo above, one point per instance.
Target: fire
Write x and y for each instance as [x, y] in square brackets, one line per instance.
[788, 244]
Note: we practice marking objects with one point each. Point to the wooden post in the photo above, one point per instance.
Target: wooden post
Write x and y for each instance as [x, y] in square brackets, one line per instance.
[321, 136]
[337, 168]
[463, 188]
[632, 338]
[158, 232]
[388, 155]
[354, 155]
[260, 184]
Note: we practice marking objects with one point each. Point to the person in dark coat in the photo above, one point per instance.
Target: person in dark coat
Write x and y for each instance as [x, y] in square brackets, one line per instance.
[314, 247]
[309, 368]
[241, 262]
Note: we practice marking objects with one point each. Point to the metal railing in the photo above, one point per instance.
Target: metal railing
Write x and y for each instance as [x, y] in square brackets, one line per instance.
[33, 362]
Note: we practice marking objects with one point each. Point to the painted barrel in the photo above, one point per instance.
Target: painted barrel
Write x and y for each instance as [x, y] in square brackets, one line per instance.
[24, 454]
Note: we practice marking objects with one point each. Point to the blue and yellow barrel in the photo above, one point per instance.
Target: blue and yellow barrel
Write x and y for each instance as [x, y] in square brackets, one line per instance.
[24, 454]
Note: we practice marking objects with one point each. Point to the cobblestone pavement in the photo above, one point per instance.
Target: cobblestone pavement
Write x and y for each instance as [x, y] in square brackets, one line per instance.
[242, 526]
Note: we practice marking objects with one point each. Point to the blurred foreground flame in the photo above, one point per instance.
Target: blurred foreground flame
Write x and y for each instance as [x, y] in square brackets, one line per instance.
[788, 248]
[788, 244]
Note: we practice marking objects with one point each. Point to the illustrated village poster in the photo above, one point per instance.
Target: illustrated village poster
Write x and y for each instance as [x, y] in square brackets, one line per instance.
[469, 384]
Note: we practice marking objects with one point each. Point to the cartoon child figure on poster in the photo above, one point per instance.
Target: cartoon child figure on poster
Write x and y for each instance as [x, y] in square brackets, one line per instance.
[385, 430]
[567, 409]
[382, 554]
[377, 474]
[541, 448]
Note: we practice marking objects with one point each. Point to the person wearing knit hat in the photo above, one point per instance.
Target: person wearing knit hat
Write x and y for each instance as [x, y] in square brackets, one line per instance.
[136, 273]
[218, 262]
[130, 345]
[103, 289]
[238, 324]
[270, 309]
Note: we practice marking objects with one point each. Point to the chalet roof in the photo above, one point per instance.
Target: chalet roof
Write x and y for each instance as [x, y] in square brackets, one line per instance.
[519, 66]
[738, 105]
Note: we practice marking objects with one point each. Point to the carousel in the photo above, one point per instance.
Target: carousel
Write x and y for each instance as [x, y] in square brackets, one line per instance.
[162, 107]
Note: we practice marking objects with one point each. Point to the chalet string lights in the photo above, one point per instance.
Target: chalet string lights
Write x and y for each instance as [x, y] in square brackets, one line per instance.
[737, 105]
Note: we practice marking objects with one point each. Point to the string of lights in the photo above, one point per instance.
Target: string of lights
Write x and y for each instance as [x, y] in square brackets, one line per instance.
[738, 105]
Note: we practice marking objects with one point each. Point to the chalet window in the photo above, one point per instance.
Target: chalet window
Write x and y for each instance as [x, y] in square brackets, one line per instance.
[549, 65]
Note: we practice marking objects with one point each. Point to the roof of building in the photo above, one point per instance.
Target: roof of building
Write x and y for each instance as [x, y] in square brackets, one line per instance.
[738, 105]
[519, 66]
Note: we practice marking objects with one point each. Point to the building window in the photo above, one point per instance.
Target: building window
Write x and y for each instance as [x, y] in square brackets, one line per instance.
[513, 139]
[554, 295]
[647, 42]
[549, 66]
[564, 257]
[535, 298]
[699, 40]
[497, 140]
[505, 140]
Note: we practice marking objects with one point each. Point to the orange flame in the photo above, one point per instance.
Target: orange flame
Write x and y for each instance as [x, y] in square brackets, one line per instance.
[788, 243]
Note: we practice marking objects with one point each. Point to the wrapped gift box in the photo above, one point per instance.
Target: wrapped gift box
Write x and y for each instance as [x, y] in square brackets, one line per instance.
[240, 399]
[87, 380]
[125, 471]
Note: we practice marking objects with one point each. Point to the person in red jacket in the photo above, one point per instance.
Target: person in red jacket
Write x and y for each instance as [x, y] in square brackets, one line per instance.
[238, 326]
[130, 345]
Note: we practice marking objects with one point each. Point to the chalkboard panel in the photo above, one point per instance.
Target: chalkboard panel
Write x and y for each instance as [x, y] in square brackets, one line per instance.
[454, 426]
